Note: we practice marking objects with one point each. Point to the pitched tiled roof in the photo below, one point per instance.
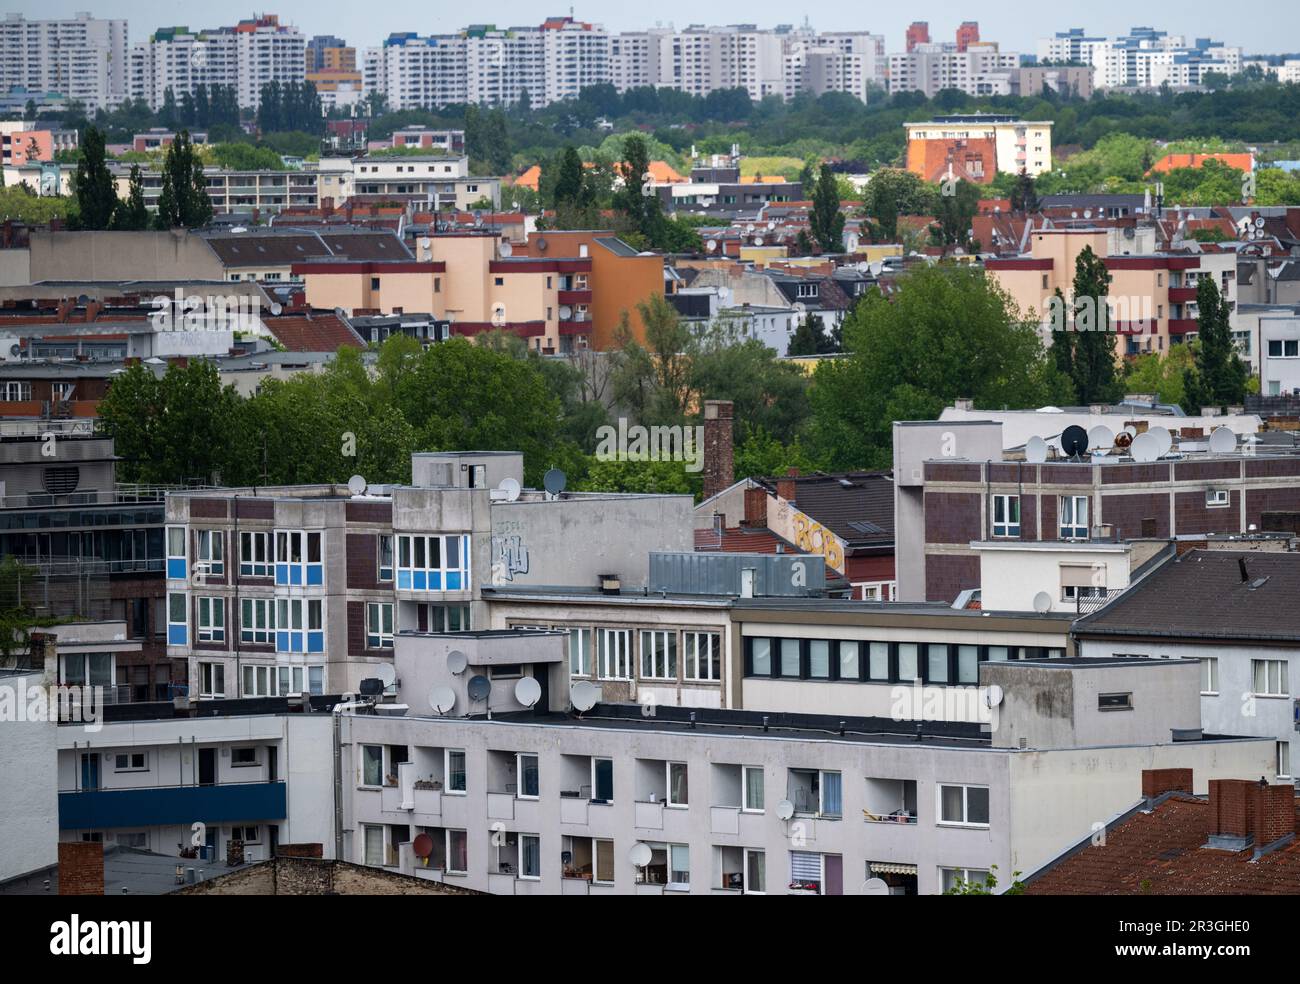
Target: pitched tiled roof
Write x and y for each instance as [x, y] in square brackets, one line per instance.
[1242, 162]
[1201, 594]
[1163, 853]
[315, 331]
[742, 539]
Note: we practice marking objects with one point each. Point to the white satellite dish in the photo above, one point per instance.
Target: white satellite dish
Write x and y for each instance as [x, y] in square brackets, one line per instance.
[1145, 447]
[640, 854]
[386, 672]
[758, 240]
[1130, 430]
[356, 485]
[509, 489]
[1223, 441]
[442, 699]
[785, 809]
[724, 293]
[425, 242]
[875, 886]
[528, 691]
[1162, 435]
[877, 267]
[1101, 438]
[1259, 222]
[276, 308]
[711, 245]
[566, 312]
[456, 662]
[1036, 450]
[584, 695]
[1042, 602]
[993, 693]
[506, 249]
[772, 224]
[1087, 213]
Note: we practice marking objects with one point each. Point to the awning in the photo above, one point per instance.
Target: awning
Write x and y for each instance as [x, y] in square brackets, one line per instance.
[889, 868]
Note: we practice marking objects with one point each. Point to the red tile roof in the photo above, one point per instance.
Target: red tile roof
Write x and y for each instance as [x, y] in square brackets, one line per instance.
[316, 331]
[742, 539]
[1162, 853]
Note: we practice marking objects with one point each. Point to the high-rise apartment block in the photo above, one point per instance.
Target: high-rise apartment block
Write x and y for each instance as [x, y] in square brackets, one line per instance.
[82, 58]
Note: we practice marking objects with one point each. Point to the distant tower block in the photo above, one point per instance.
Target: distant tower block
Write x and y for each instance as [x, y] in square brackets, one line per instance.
[918, 33]
[968, 34]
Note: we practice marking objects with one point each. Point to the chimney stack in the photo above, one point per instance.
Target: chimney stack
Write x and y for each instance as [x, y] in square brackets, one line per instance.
[81, 868]
[1273, 813]
[755, 507]
[785, 487]
[719, 464]
[1157, 782]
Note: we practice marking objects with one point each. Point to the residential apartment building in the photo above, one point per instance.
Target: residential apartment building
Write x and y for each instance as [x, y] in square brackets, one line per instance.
[980, 70]
[1145, 58]
[436, 181]
[975, 147]
[81, 58]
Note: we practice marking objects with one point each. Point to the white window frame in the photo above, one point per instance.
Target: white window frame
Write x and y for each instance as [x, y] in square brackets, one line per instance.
[965, 806]
[392, 558]
[257, 630]
[209, 550]
[973, 876]
[130, 760]
[1284, 760]
[744, 869]
[669, 799]
[176, 538]
[659, 654]
[367, 831]
[538, 839]
[447, 770]
[210, 619]
[580, 646]
[1217, 498]
[709, 655]
[612, 789]
[252, 544]
[1070, 530]
[361, 766]
[745, 772]
[377, 637]
[209, 672]
[1005, 527]
[448, 854]
[1209, 676]
[619, 666]
[1276, 677]
[519, 776]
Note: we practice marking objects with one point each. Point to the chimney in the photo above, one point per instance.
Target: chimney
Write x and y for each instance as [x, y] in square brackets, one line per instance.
[610, 584]
[719, 465]
[81, 868]
[1231, 814]
[755, 507]
[785, 486]
[1241, 565]
[963, 403]
[1273, 813]
[1157, 782]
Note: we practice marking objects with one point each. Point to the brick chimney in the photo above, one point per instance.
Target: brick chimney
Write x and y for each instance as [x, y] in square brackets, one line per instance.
[755, 507]
[1272, 813]
[785, 486]
[1231, 808]
[719, 463]
[81, 868]
[1157, 782]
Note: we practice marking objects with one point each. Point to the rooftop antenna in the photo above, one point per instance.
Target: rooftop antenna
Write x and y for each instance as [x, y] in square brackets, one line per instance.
[584, 695]
[528, 691]
[1074, 441]
[1036, 450]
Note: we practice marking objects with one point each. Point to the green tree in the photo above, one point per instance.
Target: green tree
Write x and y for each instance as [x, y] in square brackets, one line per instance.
[1023, 196]
[946, 332]
[569, 183]
[1091, 362]
[93, 184]
[132, 214]
[652, 380]
[1218, 378]
[826, 219]
[958, 204]
[183, 201]
[809, 337]
[892, 192]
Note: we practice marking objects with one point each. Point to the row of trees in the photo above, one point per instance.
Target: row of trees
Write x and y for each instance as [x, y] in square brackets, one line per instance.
[182, 202]
[208, 106]
[288, 107]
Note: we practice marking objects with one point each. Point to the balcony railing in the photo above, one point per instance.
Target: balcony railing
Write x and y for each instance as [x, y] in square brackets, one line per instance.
[151, 806]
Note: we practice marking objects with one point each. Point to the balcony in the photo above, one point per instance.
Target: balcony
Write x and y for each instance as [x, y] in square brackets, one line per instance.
[1182, 295]
[1183, 326]
[575, 296]
[152, 806]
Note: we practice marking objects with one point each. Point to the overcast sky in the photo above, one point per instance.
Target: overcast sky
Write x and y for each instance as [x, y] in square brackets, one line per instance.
[1268, 27]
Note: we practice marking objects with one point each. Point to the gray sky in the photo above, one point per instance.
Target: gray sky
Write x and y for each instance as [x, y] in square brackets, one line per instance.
[1267, 27]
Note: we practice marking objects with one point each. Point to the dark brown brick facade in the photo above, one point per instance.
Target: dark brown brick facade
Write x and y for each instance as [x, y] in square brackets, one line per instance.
[81, 868]
[947, 575]
[952, 517]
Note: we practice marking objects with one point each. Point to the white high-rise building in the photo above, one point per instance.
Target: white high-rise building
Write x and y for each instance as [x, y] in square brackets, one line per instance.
[849, 62]
[500, 66]
[980, 70]
[1144, 58]
[82, 58]
[574, 56]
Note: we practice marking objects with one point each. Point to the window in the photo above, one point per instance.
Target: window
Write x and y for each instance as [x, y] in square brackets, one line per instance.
[1288, 348]
[602, 780]
[702, 655]
[176, 553]
[298, 557]
[1216, 498]
[373, 839]
[819, 659]
[580, 652]
[372, 765]
[790, 661]
[1006, 515]
[1082, 581]
[760, 657]
[530, 856]
[15, 391]
[299, 625]
[1284, 760]
[243, 757]
[878, 661]
[815, 792]
[209, 555]
[659, 655]
[212, 620]
[257, 621]
[603, 873]
[1074, 517]
[952, 878]
[385, 557]
[254, 560]
[615, 654]
[1269, 677]
[909, 666]
[212, 679]
[1115, 702]
[526, 768]
[964, 806]
[678, 791]
[379, 625]
[755, 872]
[1209, 675]
[130, 762]
[433, 563]
[968, 664]
[248, 835]
[177, 623]
[455, 770]
[679, 866]
[753, 780]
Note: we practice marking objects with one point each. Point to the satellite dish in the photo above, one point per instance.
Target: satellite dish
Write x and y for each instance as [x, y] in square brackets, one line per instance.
[1162, 435]
[422, 845]
[785, 809]
[356, 485]
[1087, 213]
[1259, 222]
[479, 687]
[506, 249]
[1101, 438]
[509, 489]
[1074, 441]
[1036, 450]
[1123, 439]
[1145, 447]
[425, 242]
[554, 481]
[772, 224]
[758, 240]
[528, 691]
[723, 294]
[541, 244]
[1223, 441]
[385, 672]
[872, 886]
[640, 854]
[993, 693]
[457, 662]
[584, 695]
[442, 699]
[711, 245]
[877, 267]
[276, 308]
[1042, 602]
[566, 312]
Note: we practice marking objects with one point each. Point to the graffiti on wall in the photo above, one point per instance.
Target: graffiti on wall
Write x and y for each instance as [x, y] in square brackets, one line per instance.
[805, 532]
[509, 557]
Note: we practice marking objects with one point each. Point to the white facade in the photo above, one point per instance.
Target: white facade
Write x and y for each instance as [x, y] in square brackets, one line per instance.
[82, 58]
[980, 70]
[1145, 58]
[1279, 353]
